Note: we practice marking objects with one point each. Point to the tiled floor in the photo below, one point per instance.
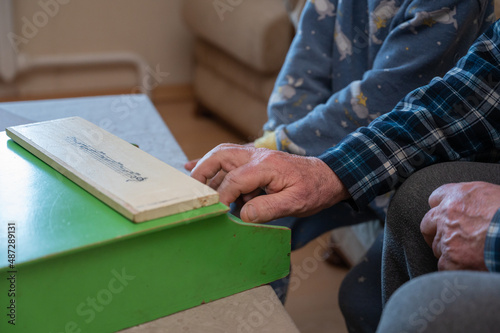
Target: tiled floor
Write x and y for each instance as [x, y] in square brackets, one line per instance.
[312, 299]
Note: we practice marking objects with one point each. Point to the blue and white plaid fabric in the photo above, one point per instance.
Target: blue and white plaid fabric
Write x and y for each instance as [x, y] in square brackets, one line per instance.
[492, 245]
[456, 117]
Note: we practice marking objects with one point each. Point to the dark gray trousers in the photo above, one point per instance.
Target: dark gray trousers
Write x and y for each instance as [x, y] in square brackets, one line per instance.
[436, 302]
[452, 301]
[406, 255]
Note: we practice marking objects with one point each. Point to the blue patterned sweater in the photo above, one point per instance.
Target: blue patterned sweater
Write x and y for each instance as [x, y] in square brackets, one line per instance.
[352, 61]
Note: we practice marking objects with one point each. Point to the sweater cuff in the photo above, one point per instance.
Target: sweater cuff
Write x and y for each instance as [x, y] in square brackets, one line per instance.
[268, 140]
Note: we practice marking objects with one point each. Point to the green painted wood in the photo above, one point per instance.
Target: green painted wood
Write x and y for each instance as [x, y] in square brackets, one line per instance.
[78, 266]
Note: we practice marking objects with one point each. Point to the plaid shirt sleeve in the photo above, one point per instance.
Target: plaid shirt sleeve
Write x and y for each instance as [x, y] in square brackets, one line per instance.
[456, 117]
[492, 245]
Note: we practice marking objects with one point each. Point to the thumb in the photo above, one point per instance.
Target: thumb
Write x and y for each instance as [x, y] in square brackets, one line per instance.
[264, 208]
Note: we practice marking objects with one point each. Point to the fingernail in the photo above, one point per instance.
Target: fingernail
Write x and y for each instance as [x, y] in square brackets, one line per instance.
[251, 213]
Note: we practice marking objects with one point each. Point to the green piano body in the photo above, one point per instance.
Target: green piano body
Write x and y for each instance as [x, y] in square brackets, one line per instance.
[72, 264]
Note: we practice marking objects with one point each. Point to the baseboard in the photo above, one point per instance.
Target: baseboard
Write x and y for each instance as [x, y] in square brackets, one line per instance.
[161, 94]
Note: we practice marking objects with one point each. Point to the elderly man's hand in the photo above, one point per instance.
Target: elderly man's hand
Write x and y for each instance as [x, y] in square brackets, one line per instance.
[458, 221]
[295, 185]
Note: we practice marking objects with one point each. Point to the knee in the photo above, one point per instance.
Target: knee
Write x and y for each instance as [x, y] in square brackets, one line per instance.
[410, 202]
[457, 301]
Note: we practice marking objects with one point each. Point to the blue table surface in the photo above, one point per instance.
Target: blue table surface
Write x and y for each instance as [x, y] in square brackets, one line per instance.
[130, 117]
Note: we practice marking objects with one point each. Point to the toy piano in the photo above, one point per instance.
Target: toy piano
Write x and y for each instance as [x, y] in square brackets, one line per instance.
[98, 236]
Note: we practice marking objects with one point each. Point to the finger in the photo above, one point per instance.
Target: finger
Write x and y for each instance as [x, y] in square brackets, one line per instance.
[443, 264]
[189, 166]
[428, 227]
[446, 264]
[438, 195]
[249, 196]
[217, 179]
[223, 157]
[257, 174]
[243, 180]
[266, 208]
[437, 245]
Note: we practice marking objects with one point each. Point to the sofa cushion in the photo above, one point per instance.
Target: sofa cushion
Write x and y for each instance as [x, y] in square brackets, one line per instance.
[234, 105]
[257, 32]
[253, 82]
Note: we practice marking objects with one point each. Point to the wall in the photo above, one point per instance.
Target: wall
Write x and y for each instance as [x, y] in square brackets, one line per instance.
[153, 29]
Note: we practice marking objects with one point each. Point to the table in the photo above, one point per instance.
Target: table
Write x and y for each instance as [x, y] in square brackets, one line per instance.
[130, 117]
[254, 310]
[134, 118]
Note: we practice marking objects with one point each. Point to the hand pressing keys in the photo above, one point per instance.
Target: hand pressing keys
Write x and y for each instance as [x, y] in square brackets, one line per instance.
[295, 185]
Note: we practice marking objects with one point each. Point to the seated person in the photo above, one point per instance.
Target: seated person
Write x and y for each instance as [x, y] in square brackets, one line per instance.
[350, 62]
[458, 237]
[454, 118]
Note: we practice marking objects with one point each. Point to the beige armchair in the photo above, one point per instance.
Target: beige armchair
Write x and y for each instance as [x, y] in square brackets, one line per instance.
[239, 50]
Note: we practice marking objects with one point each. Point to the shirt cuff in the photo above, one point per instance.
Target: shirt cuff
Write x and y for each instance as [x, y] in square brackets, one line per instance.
[492, 244]
[362, 167]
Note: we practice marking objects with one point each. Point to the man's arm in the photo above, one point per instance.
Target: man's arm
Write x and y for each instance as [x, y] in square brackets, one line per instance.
[308, 52]
[452, 118]
[421, 44]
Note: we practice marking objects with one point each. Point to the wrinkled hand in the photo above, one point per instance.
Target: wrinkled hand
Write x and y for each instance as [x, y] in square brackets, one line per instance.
[457, 224]
[295, 185]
